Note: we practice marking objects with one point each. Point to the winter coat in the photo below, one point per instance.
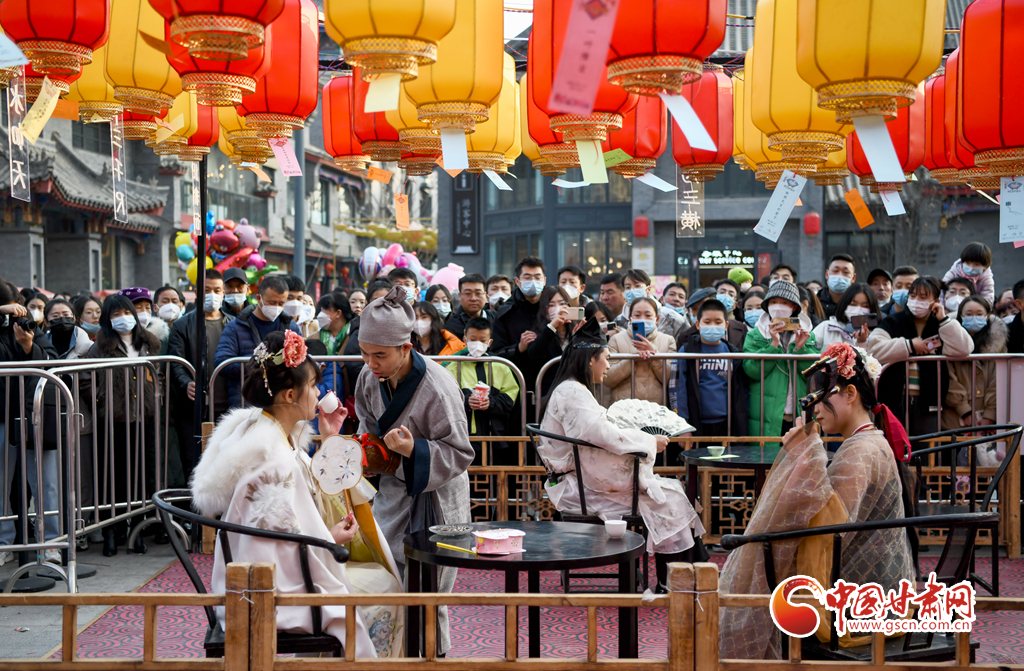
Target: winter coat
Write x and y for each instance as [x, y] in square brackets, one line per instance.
[984, 284]
[10, 350]
[240, 338]
[113, 348]
[456, 324]
[689, 393]
[735, 335]
[778, 375]
[162, 330]
[827, 304]
[183, 342]
[504, 390]
[78, 346]
[1016, 341]
[669, 321]
[546, 347]
[831, 331]
[650, 375]
[515, 317]
[891, 343]
[990, 340]
[451, 346]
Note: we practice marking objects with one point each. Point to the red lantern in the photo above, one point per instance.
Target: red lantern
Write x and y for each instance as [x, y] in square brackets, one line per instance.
[660, 45]
[936, 157]
[34, 83]
[378, 138]
[287, 93]
[218, 30]
[907, 131]
[711, 99]
[205, 137]
[138, 126]
[558, 155]
[990, 97]
[550, 20]
[812, 224]
[58, 36]
[340, 140]
[219, 83]
[641, 227]
[960, 155]
[643, 136]
[418, 165]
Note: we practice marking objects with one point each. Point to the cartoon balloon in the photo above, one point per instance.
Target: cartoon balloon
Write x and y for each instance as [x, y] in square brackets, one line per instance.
[386, 269]
[256, 261]
[391, 254]
[193, 268]
[224, 241]
[211, 222]
[185, 252]
[369, 263]
[449, 276]
[182, 238]
[235, 260]
[225, 223]
[247, 236]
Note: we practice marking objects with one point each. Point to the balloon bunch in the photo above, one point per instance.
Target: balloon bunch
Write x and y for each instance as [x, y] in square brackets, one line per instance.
[376, 261]
[229, 245]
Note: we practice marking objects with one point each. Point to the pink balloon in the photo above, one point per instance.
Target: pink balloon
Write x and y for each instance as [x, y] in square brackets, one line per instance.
[391, 254]
[257, 261]
[387, 269]
[449, 276]
[247, 236]
[224, 241]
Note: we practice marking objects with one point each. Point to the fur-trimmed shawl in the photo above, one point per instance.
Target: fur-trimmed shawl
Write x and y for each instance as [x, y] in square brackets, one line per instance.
[243, 440]
[994, 339]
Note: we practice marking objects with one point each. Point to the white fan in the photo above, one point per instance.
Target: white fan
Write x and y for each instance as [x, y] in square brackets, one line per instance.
[657, 420]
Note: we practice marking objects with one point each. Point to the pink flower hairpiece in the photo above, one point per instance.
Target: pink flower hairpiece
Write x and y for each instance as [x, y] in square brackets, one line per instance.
[846, 358]
[291, 355]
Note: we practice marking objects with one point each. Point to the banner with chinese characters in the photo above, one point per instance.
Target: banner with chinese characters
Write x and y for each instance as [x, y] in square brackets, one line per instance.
[16, 147]
[196, 221]
[117, 169]
[465, 227]
[689, 207]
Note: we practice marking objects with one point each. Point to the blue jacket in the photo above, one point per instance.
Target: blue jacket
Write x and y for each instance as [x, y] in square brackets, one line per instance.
[240, 338]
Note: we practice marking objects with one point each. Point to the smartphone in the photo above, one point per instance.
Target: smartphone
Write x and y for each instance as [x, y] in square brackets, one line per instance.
[792, 323]
[861, 320]
[576, 314]
[637, 330]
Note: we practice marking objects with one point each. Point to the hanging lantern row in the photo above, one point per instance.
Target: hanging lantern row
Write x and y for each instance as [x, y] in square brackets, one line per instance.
[711, 97]
[338, 113]
[907, 130]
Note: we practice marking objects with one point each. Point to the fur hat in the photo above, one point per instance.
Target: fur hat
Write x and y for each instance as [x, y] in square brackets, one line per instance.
[387, 321]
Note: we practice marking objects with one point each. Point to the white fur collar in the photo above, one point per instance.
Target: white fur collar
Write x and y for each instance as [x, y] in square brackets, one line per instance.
[158, 327]
[243, 440]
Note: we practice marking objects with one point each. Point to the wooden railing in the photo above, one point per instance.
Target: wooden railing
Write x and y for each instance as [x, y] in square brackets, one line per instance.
[692, 613]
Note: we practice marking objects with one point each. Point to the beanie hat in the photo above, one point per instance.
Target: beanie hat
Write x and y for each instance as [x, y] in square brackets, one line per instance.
[136, 294]
[740, 275]
[784, 289]
[387, 321]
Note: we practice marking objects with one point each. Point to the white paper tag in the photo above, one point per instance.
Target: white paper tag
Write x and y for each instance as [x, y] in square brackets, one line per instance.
[592, 161]
[1011, 209]
[453, 149]
[382, 93]
[10, 54]
[650, 179]
[874, 139]
[893, 203]
[497, 181]
[688, 122]
[781, 205]
[569, 185]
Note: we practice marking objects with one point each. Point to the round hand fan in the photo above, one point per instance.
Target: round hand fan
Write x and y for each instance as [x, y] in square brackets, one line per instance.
[338, 464]
[657, 420]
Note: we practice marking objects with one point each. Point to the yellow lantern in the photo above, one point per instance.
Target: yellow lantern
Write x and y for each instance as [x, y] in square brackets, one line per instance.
[516, 150]
[390, 36]
[867, 57]
[95, 95]
[186, 108]
[458, 90]
[737, 120]
[530, 148]
[415, 135]
[834, 170]
[763, 160]
[494, 137]
[783, 105]
[142, 78]
[248, 146]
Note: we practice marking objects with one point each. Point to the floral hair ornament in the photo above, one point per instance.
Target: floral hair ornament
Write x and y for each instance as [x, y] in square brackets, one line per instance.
[846, 359]
[291, 355]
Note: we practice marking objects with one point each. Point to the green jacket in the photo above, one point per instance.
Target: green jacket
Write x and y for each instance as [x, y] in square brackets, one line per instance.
[776, 381]
[504, 392]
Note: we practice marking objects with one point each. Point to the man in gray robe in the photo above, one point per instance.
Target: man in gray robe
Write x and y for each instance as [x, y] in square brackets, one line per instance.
[416, 407]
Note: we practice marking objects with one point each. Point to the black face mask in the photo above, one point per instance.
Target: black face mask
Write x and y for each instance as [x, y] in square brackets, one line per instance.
[62, 325]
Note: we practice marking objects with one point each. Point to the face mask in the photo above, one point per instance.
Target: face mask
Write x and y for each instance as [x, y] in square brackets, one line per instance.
[271, 312]
[169, 312]
[421, 327]
[235, 300]
[443, 309]
[854, 311]
[882, 303]
[293, 308]
[780, 311]
[324, 320]
[212, 302]
[918, 308]
[971, 271]
[744, 287]
[410, 294]
[772, 282]
[90, 328]
[727, 300]
[306, 314]
[679, 311]
[975, 324]
[476, 348]
[572, 292]
[899, 297]
[838, 283]
[552, 312]
[953, 303]
[37, 315]
[752, 317]
[532, 287]
[124, 324]
[712, 334]
[1008, 319]
[62, 324]
[497, 298]
[648, 326]
[143, 318]
[633, 294]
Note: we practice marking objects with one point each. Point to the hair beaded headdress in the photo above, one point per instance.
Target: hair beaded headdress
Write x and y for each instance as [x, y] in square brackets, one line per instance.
[291, 355]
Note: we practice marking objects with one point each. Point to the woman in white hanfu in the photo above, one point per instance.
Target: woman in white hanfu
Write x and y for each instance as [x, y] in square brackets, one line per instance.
[571, 410]
[256, 472]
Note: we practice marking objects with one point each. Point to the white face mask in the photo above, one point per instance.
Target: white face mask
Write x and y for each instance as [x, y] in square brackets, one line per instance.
[293, 308]
[498, 297]
[324, 320]
[169, 312]
[854, 311]
[571, 291]
[123, 324]
[443, 309]
[410, 294]
[212, 302]
[476, 348]
[918, 308]
[744, 287]
[271, 312]
[780, 311]
[953, 303]
[531, 287]
[235, 300]
[421, 327]
[143, 318]
[37, 316]
[305, 314]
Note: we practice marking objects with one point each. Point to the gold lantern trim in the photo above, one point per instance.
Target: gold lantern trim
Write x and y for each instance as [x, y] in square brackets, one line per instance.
[594, 127]
[830, 176]
[562, 154]
[979, 178]
[169, 147]
[866, 97]
[803, 151]
[389, 55]
[384, 151]
[138, 129]
[635, 167]
[98, 111]
[420, 140]
[460, 114]
[246, 138]
[56, 58]
[192, 153]
[945, 176]
[33, 85]
[1003, 162]
[143, 101]
[654, 74]
[218, 89]
[7, 74]
[352, 162]
[486, 160]
[270, 125]
[704, 172]
[741, 161]
[878, 187]
[547, 168]
[217, 37]
[769, 171]
[419, 165]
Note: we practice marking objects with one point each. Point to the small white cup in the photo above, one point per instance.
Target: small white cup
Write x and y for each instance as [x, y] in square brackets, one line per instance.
[615, 528]
[329, 403]
[716, 450]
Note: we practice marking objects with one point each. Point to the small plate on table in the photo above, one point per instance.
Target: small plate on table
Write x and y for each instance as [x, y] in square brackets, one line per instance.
[450, 530]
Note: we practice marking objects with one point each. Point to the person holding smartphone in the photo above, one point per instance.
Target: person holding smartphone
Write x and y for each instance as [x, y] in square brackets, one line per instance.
[552, 330]
[857, 313]
[645, 340]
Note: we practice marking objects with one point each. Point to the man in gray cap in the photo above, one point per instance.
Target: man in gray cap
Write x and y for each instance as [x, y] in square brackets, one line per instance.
[416, 407]
[735, 331]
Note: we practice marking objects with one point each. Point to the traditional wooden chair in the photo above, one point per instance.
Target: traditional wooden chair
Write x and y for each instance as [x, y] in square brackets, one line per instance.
[953, 567]
[287, 643]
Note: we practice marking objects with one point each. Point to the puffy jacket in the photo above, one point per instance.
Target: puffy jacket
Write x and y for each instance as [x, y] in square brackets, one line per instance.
[735, 335]
[113, 348]
[989, 340]
[240, 338]
[10, 350]
[456, 324]
[183, 343]
[649, 374]
[515, 317]
[451, 346]
[689, 394]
